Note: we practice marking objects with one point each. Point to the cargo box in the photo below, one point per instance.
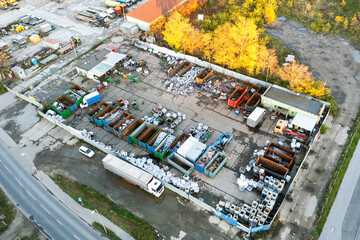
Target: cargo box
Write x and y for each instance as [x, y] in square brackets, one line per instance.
[161, 151]
[64, 112]
[74, 96]
[272, 168]
[118, 127]
[95, 110]
[112, 115]
[216, 163]
[146, 136]
[110, 126]
[236, 96]
[150, 146]
[181, 139]
[180, 163]
[129, 129]
[136, 134]
[70, 104]
[98, 118]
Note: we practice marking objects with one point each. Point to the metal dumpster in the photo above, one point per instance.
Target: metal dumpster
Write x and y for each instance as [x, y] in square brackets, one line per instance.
[118, 128]
[110, 126]
[163, 148]
[151, 144]
[70, 104]
[112, 115]
[129, 129]
[146, 136]
[80, 91]
[178, 142]
[77, 98]
[102, 113]
[60, 109]
[216, 163]
[95, 110]
[205, 159]
[180, 163]
[135, 135]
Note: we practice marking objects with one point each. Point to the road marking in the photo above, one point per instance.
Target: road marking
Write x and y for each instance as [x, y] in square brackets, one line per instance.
[8, 169]
[45, 209]
[19, 182]
[76, 237]
[30, 195]
[59, 222]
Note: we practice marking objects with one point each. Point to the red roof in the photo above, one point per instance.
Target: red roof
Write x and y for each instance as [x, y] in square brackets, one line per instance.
[153, 9]
[49, 40]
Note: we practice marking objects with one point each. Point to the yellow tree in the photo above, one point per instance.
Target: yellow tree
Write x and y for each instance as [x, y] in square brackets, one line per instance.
[262, 11]
[4, 65]
[301, 80]
[268, 62]
[175, 30]
[193, 41]
[237, 45]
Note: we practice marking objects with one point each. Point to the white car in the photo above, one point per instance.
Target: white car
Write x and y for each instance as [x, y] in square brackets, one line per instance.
[86, 151]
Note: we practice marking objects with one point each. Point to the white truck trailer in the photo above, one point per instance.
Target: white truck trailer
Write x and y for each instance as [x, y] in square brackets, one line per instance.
[255, 117]
[133, 174]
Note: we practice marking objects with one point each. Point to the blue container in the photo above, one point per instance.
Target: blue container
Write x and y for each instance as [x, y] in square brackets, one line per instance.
[101, 114]
[91, 114]
[106, 120]
[180, 162]
[180, 138]
[129, 129]
[34, 62]
[150, 146]
[117, 131]
[213, 173]
[110, 126]
[146, 136]
[202, 162]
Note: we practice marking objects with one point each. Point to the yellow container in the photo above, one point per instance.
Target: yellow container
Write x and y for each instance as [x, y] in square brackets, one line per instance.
[34, 39]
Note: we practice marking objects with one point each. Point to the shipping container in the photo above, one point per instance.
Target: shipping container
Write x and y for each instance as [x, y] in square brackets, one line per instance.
[253, 102]
[215, 164]
[95, 110]
[79, 90]
[277, 147]
[136, 134]
[279, 157]
[180, 163]
[146, 136]
[272, 168]
[255, 117]
[205, 159]
[112, 115]
[178, 142]
[150, 146]
[110, 126]
[98, 118]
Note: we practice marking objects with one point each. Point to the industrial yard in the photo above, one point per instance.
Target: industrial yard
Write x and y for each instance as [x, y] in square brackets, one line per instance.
[230, 144]
[236, 187]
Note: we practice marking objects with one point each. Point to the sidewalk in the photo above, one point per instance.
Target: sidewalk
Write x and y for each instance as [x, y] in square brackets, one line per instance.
[82, 212]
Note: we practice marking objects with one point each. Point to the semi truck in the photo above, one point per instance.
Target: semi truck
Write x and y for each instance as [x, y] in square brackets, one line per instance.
[133, 175]
[89, 99]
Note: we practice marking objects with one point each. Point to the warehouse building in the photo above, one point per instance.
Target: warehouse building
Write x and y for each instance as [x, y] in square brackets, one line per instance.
[150, 11]
[305, 110]
[99, 64]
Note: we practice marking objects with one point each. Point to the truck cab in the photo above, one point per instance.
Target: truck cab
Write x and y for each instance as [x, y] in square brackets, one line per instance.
[155, 187]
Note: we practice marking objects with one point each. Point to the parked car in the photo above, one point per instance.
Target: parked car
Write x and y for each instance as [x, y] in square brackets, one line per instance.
[86, 151]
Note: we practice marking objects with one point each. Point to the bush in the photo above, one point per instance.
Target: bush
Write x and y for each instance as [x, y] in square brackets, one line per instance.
[324, 129]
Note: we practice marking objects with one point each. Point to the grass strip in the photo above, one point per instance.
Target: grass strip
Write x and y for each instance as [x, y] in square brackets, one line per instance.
[8, 209]
[337, 177]
[136, 227]
[109, 234]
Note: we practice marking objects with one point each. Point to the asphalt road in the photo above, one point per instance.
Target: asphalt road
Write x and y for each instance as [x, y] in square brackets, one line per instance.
[38, 205]
[343, 222]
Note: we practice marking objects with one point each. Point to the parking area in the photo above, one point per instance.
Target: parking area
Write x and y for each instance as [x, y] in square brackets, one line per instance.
[204, 107]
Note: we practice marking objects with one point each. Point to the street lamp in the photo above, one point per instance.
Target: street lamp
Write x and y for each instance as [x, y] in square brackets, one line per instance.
[30, 168]
[95, 211]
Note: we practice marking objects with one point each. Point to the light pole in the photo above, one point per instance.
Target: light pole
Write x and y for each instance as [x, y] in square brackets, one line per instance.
[30, 168]
[95, 211]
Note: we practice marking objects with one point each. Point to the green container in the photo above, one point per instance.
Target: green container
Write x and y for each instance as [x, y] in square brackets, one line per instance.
[69, 93]
[135, 135]
[163, 154]
[66, 113]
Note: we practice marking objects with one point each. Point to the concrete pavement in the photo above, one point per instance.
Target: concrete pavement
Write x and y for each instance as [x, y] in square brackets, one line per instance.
[343, 221]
